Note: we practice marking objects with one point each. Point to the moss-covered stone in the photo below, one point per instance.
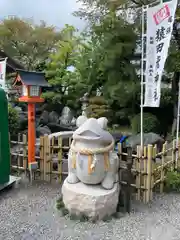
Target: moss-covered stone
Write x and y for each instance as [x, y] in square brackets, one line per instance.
[59, 205]
[118, 215]
[59, 200]
[107, 218]
[64, 211]
[83, 217]
[94, 219]
[73, 216]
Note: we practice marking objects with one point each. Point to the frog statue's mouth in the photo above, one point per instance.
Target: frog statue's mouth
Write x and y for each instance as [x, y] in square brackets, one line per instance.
[89, 134]
[91, 130]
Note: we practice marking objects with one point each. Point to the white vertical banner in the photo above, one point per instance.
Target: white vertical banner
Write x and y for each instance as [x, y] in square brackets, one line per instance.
[160, 21]
[3, 74]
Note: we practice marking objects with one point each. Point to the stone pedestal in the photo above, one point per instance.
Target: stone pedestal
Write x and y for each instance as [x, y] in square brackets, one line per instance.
[90, 200]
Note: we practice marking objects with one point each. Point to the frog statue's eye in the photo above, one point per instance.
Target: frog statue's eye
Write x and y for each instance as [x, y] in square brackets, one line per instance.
[103, 122]
[80, 120]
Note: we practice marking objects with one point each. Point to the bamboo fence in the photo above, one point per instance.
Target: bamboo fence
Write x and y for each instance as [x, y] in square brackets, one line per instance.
[148, 171]
[51, 156]
[150, 168]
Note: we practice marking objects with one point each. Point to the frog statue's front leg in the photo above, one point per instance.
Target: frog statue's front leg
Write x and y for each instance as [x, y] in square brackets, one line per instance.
[72, 177]
[112, 173]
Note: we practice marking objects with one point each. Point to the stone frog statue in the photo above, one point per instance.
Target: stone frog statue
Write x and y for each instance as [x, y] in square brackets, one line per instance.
[91, 158]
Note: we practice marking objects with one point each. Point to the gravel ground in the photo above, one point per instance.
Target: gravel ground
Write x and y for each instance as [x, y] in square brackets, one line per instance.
[29, 213]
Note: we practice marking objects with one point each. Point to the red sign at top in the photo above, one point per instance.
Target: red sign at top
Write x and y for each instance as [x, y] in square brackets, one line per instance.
[161, 15]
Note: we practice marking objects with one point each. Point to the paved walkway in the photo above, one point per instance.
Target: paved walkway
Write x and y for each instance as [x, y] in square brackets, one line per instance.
[29, 213]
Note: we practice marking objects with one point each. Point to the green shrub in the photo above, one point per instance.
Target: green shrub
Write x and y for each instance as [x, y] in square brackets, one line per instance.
[73, 216]
[107, 218]
[150, 123]
[98, 107]
[13, 121]
[64, 211]
[83, 217]
[172, 182]
[59, 205]
[165, 112]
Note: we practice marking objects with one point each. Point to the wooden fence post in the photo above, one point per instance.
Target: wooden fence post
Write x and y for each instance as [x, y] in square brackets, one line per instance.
[25, 156]
[178, 161]
[70, 140]
[138, 173]
[174, 155]
[120, 197]
[145, 174]
[120, 151]
[19, 158]
[149, 173]
[60, 159]
[47, 163]
[41, 164]
[129, 179]
[162, 167]
[152, 170]
[126, 189]
[120, 159]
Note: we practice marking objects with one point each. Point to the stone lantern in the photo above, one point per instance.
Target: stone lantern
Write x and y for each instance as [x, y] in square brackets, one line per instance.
[85, 102]
[31, 84]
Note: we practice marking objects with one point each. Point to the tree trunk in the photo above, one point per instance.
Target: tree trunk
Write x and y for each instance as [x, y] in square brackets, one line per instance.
[176, 78]
[175, 82]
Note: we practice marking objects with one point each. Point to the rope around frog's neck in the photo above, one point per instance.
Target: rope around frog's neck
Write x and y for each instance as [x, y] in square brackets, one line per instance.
[92, 151]
[92, 155]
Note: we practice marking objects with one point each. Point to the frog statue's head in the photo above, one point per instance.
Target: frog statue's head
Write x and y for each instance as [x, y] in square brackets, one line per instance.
[92, 129]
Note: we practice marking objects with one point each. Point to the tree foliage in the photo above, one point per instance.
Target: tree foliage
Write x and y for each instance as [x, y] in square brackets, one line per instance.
[66, 83]
[150, 123]
[96, 11]
[103, 58]
[29, 43]
[106, 63]
[13, 120]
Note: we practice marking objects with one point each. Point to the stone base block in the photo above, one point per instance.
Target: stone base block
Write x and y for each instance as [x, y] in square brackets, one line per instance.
[90, 200]
[33, 166]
